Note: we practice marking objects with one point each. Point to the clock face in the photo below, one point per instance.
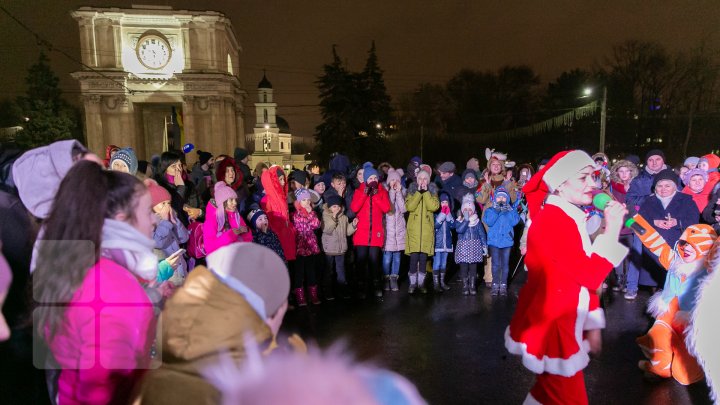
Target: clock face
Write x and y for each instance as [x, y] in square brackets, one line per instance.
[153, 52]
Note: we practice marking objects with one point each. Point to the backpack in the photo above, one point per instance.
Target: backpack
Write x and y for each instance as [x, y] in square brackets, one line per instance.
[196, 242]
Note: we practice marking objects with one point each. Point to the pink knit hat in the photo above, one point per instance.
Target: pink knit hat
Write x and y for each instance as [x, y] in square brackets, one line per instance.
[223, 193]
[158, 193]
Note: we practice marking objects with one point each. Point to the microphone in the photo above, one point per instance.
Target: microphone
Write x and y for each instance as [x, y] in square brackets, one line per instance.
[601, 200]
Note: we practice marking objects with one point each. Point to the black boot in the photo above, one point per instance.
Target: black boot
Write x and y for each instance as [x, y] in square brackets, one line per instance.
[472, 285]
[442, 281]
[466, 286]
[436, 282]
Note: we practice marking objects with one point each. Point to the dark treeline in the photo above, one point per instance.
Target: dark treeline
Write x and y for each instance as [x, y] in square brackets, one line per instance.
[655, 98]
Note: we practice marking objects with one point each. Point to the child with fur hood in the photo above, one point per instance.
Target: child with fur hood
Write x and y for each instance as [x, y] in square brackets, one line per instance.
[336, 229]
[664, 344]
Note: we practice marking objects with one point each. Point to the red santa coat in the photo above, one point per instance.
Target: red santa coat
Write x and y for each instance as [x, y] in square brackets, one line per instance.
[558, 302]
[370, 212]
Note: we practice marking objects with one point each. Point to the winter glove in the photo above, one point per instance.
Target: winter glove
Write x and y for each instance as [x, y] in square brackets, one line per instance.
[165, 271]
[441, 217]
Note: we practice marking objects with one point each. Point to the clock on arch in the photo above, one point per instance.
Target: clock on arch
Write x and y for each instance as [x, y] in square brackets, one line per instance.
[153, 51]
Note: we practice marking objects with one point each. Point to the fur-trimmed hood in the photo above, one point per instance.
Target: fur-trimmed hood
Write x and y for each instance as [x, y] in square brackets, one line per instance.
[623, 163]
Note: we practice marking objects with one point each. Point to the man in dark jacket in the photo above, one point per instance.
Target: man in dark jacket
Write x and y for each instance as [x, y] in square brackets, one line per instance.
[451, 182]
[241, 158]
[640, 189]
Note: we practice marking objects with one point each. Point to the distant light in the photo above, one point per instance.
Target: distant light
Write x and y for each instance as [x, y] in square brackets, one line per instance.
[587, 91]
[267, 126]
[378, 126]
[27, 119]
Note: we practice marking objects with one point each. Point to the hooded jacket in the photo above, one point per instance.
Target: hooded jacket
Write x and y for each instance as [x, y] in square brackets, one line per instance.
[335, 232]
[421, 222]
[213, 239]
[395, 222]
[501, 224]
[370, 211]
[38, 172]
[275, 205]
[194, 334]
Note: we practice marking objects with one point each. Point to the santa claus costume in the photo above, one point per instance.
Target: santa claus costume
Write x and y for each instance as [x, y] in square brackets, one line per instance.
[664, 344]
[558, 303]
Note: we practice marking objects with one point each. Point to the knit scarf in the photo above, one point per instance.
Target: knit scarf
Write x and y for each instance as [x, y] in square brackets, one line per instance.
[127, 247]
[474, 219]
[665, 201]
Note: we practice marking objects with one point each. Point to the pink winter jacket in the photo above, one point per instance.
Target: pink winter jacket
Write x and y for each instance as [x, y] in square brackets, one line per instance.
[103, 343]
[395, 222]
[212, 240]
[305, 225]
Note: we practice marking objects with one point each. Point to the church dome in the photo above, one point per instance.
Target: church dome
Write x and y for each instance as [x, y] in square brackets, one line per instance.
[264, 83]
[282, 124]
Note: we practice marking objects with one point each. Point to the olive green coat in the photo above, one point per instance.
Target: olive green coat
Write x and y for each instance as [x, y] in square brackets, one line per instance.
[421, 225]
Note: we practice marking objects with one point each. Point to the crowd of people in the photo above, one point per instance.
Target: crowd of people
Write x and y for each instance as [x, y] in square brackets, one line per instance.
[223, 251]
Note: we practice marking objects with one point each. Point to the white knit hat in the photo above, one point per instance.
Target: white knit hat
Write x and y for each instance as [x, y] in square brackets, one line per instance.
[566, 167]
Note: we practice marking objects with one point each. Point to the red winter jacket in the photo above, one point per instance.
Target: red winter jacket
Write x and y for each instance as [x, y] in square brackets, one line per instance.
[370, 212]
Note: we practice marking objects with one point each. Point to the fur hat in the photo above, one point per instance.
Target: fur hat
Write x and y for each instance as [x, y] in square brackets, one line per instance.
[623, 163]
[665, 174]
[237, 265]
[223, 192]
[701, 237]
[127, 156]
[492, 154]
[253, 216]
[447, 167]
[158, 193]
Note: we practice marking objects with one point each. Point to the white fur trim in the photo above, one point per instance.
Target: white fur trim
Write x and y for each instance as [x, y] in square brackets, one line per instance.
[609, 248]
[703, 334]
[595, 319]
[565, 367]
[530, 400]
[565, 167]
[657, 305]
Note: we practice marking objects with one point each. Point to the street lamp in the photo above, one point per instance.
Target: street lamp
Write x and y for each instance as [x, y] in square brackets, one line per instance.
[603, 114]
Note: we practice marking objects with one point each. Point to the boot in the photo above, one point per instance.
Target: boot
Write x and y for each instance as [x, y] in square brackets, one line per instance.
[442, 281]
[436, 282]
[387, 283]
[394, 282]
[344, 291]
[472, 285]
[466, 286]
[421, 282]
[495, 290]
[503, 289]
[314, 295]
[300, 296]
[413, 283]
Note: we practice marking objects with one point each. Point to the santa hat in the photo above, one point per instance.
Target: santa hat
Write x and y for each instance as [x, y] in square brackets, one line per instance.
[701, 237]
[560, 168]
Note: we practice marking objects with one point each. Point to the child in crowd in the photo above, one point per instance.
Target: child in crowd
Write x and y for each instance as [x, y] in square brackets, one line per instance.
[500, 219]
[471, 243]
[223, 224]
[308, 249]
[394, 230]
[262, 235]
[169, 233]
[444, 223]
[336, 229]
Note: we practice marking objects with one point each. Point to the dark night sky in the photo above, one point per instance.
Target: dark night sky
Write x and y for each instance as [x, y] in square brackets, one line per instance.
[416, 40]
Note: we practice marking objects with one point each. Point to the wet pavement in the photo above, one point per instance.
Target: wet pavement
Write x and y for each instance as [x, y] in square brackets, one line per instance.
[451, 346]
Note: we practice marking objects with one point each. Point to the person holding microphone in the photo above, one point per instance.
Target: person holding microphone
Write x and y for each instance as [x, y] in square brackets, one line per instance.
[558, 318]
